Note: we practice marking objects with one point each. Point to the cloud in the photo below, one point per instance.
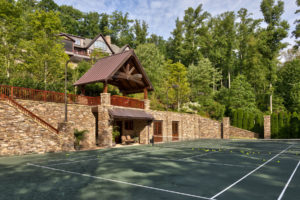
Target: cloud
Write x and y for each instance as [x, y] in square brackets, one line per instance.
[160, 15]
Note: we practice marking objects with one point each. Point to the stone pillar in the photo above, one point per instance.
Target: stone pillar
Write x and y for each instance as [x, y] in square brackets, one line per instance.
[105, 127]
[66, 135]
[105, 99]
[267, 127]
[146, 104]
[226, 127]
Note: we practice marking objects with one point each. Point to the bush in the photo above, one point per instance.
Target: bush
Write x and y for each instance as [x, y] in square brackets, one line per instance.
[251, 121]
[245, 121]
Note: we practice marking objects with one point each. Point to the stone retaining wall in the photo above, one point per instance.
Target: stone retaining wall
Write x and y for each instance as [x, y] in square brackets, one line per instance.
[241, 133]
[19, 134]
[80, 115]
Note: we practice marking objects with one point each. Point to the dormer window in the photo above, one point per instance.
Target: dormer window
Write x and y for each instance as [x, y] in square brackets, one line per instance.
[100, 45]
[77, 41]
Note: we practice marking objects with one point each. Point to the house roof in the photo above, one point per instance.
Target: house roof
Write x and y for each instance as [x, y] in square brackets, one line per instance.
[87, 42]
[105, 69]
[130, 114]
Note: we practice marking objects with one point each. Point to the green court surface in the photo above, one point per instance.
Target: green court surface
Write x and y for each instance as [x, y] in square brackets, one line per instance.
[200, 169]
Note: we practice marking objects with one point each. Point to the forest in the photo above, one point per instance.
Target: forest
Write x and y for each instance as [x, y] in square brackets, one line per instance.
[231, 64]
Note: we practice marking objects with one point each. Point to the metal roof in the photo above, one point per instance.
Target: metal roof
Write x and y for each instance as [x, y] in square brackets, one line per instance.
[130, 114]
[105, 68]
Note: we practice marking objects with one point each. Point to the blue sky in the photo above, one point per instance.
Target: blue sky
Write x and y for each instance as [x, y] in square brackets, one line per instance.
[161, 14]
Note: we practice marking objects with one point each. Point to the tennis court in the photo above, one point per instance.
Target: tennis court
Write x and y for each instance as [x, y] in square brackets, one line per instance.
[198, 169]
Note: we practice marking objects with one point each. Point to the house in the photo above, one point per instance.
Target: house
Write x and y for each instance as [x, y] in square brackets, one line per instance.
[80, 48]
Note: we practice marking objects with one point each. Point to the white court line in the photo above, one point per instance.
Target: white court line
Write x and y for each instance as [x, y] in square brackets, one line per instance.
[118, 181]
[287, 184]
[198, 155]
[230, 186]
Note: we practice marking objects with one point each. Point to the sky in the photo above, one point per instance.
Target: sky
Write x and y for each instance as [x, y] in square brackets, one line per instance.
[160, 15]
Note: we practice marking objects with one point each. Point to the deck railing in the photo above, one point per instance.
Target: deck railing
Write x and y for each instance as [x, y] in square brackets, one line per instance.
[126, 102]
[47, 96]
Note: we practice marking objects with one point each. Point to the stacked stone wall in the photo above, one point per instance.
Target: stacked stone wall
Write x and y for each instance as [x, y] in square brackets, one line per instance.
[241, 133]
[20, 134]
[80, 115]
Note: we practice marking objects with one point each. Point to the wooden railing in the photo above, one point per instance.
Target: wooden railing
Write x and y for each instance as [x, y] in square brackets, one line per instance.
[47, 96]
[126, 102]
[28, 113]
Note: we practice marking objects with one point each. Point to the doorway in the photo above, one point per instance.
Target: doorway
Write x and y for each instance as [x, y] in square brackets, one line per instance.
[157, 131]
[175, 134]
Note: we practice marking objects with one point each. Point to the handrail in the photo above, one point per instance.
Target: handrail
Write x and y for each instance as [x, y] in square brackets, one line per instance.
[126, 102]
[47, 96]
[27, 112]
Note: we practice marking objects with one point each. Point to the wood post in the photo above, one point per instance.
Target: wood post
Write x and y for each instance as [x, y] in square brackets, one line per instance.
[12, 92]
[145, 93]
[105, 87]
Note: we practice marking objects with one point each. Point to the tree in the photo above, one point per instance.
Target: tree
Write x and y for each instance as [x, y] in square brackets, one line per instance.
[11, 26]
[121, 32]
[271, 38]
[70, 19]
[296, 32]
[286, 86]
[154, 63]
[241, 95]
[193, 28]
[177, 75]
[104, 24]
[89, 26]
[43, 53]
[140, 32]
[203, 79]
[175, 48]
[47, 5]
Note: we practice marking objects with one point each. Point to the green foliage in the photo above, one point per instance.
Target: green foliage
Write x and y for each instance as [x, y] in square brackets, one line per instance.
[203, 79]
[177, 75]
[245, 120]
[274, 125]
[115, 133]
[241, 94]
[234, 118]
[240, 114]
[79, 136]
[251, 121]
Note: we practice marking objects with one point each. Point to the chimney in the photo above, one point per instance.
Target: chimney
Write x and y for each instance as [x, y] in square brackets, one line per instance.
[108, 39]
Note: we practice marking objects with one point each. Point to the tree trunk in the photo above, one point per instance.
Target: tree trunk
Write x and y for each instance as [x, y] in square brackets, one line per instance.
[229, 79]
[271, 99]
[45, 75]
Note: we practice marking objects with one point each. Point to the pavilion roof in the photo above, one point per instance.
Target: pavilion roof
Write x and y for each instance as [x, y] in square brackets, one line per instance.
[111, 70]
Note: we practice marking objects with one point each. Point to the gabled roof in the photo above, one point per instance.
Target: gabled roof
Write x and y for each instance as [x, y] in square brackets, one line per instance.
[94, 40]
[105, 69]
[66, 35]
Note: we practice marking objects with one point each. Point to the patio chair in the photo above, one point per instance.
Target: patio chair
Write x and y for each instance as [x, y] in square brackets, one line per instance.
[124, 140]
[129, 139]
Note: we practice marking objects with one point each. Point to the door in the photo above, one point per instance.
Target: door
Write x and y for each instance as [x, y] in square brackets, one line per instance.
[119, 124]
[175, 134]
[157, 131]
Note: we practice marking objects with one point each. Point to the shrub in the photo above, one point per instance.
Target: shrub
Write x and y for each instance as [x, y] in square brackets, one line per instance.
[240, 114]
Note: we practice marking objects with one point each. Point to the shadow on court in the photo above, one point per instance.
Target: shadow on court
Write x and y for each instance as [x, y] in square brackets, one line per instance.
[145, 172]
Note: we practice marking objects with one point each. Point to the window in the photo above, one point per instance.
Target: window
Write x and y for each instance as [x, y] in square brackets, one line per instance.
[129, 125]
[100, 45]
[77, 41]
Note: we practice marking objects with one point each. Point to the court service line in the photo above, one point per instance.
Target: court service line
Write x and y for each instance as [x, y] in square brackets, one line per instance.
[198, 155]
[233, 184]
[118, 181]
[287, 184]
